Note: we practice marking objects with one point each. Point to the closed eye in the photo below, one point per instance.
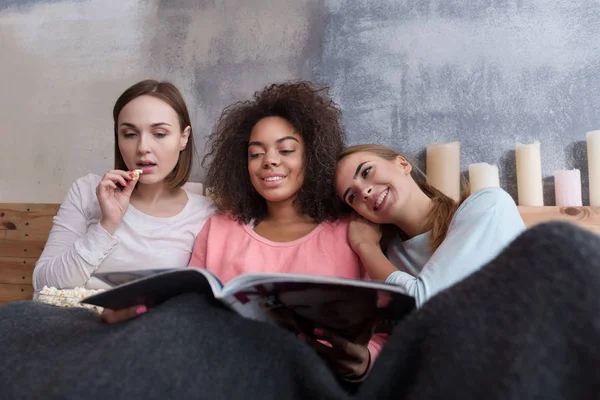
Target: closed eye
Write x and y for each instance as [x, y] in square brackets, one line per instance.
[286, 151]
[256, 155]
[129, 135]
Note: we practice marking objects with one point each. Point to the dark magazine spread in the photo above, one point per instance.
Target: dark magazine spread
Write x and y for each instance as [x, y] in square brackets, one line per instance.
[299, 303]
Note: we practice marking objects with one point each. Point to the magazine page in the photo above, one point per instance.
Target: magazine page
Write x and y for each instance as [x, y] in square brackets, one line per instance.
[153, 288]
[248, 280]
[121, 277]
[343, 308]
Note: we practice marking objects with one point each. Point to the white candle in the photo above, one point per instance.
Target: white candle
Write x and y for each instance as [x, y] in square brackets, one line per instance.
[593, 153]
[443, 168]
[567, 188]
[529, 174]
[482, 175]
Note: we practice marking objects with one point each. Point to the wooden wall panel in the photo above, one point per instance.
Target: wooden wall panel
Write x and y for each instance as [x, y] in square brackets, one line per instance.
[24, 229]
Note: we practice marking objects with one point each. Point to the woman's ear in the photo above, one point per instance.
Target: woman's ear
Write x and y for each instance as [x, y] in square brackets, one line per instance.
[404, 164]
[185, 135]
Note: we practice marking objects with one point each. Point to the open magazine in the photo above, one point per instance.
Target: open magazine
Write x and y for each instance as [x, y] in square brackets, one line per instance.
[299, 303]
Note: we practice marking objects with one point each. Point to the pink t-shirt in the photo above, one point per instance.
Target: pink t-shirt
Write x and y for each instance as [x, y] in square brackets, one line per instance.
[228, 249]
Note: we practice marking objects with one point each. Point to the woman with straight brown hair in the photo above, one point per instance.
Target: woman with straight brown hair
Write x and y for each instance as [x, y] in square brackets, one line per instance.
[438, 241]
[119, 222]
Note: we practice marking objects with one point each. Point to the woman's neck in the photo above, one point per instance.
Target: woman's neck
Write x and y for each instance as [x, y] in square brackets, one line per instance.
[285, 212]
[413, 219]
[284, 223]
[153, 194]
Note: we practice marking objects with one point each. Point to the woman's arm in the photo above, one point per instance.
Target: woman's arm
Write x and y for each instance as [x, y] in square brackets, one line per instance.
[376, 264]
[479, 231]
[73, 252]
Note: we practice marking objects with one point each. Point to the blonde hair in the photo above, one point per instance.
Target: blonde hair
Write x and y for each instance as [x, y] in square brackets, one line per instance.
[443, 207]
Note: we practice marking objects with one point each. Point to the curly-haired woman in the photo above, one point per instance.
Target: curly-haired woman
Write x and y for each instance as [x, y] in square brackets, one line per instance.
[271, 172]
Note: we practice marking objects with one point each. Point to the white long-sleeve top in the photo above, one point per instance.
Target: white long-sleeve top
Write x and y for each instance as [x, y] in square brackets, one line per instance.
[484, 224]
[78, 247]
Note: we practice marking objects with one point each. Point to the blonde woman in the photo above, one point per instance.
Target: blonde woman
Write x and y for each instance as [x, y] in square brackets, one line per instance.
[438, 241]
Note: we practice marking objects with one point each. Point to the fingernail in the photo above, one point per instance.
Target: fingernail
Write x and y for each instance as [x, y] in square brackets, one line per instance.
[318, 332]
[140, 310]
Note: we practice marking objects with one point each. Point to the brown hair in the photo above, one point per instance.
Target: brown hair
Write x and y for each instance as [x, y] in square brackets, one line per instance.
[313, 114]
[443, 207]
[168, 93]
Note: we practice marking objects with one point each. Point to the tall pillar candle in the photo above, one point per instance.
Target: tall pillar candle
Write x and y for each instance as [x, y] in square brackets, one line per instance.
[443, 168]
[529, 174]
[593, 153]
[567, 188]
[482, 175]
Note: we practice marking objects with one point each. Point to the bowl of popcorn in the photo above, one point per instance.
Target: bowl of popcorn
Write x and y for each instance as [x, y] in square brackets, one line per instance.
[67, 297]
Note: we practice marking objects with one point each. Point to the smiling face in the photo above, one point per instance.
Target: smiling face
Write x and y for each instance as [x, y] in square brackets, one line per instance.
[150, 138]
[276, 159]
[374, 187]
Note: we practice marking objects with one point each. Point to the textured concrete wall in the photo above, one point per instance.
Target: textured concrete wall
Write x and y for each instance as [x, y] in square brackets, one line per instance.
[406, 72]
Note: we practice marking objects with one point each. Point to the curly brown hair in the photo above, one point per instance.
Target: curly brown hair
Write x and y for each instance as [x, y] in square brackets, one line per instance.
[314, 115]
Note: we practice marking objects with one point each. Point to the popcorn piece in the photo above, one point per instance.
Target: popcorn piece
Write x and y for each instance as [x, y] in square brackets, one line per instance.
[67, 297]
[136, 174]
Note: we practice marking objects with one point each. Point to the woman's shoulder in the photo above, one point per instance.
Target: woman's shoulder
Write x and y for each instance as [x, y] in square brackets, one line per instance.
[487, 199]
[224, 222]
[81, 197]
[87, 181]
[333, 237]
[84, 189]
[200, 203]
[335, 233]
[335, 226]
[488, 207]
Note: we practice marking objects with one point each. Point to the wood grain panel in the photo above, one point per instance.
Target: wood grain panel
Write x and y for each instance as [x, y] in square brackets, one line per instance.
[25, 236]
[10, 292]
[16, 270]
[21, 248]
[585, 217]
[27, 216]
[24, 229]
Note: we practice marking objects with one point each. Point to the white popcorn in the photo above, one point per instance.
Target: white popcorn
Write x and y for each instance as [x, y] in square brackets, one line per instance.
[136, 174]
[67, 297]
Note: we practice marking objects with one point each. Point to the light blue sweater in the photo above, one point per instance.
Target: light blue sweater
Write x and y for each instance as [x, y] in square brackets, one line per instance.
[484, 224]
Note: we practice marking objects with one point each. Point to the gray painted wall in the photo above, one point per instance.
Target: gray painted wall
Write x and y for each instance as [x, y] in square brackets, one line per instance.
[406, 73]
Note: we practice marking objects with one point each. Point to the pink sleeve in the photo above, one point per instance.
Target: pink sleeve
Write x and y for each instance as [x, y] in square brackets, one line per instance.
[199, 255]
[375, 345]
[378, 340]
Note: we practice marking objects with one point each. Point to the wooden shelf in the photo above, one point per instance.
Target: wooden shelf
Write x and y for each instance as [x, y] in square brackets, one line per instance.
[585, 217]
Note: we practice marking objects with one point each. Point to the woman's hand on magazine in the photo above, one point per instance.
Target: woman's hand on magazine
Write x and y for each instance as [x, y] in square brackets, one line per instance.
[347, 359]
[125, 314]
[362, 231]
